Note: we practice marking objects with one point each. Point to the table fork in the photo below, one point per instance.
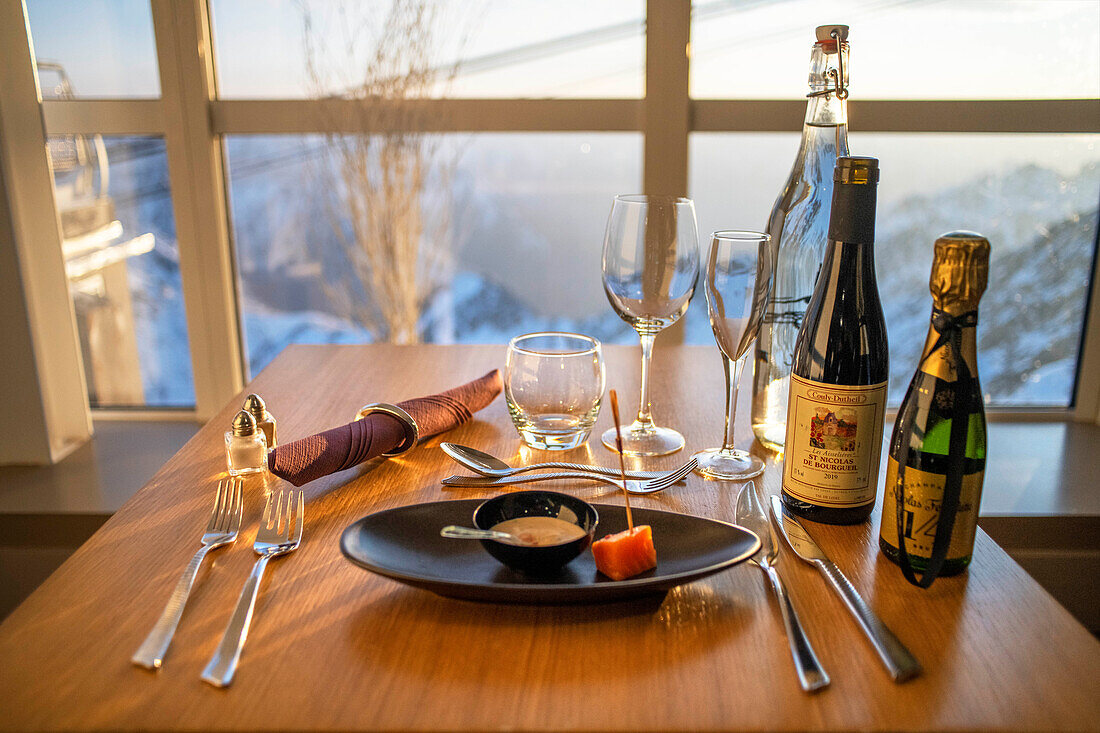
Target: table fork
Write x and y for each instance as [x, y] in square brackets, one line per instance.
[633, 486]
[221, 530]
[750, 513]
[276, 536]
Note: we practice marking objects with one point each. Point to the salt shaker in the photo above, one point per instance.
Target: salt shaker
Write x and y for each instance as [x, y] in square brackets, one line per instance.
[265, 421]
[245, 446]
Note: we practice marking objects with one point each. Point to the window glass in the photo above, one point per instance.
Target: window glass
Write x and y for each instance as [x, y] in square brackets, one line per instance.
[507, 48]
[963, 49]
[119, 243]
[1034, 196]
[94, 48]
[511, 237]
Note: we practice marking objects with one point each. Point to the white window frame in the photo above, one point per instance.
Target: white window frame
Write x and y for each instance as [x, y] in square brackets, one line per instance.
[193, 121]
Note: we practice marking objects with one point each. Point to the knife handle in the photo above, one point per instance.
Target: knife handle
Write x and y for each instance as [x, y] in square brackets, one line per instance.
[899, 661]
[811, 675]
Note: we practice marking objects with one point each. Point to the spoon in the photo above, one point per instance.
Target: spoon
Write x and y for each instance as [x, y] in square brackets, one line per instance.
[455, 532]
[750, 514]
[487, 465]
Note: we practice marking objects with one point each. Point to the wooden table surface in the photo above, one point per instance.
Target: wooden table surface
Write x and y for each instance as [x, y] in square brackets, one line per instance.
[334, 647]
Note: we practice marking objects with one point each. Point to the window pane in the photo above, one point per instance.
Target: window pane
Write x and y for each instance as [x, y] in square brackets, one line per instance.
[1035, 198]
[508, 48]
[963, 49]
[518, 246]
[94, 48]
[119, 241]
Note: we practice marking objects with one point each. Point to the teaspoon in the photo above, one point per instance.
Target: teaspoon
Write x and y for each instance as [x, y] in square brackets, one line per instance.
[487, 465]
[455, 532]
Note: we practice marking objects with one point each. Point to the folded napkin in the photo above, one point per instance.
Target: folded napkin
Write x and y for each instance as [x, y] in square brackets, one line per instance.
[348, 445]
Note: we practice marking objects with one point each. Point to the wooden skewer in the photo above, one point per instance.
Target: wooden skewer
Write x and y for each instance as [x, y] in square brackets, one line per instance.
[622, 463]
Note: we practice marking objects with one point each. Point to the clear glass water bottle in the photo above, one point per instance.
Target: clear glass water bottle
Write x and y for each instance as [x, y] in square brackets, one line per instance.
[798, 226]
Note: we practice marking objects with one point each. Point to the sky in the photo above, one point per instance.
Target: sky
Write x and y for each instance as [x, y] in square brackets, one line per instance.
[579, 48]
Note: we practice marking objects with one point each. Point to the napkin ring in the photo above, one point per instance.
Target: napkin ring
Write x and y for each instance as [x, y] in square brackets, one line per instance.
[412, 430]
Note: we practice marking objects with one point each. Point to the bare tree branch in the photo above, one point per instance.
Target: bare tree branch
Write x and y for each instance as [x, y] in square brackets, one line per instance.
[378, 184]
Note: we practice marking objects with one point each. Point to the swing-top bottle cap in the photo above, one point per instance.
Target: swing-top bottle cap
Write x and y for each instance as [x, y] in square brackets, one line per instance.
[856, 170]
[826, 38]
[829, 63]
[244, 424]
[255, 405]
[960, 271]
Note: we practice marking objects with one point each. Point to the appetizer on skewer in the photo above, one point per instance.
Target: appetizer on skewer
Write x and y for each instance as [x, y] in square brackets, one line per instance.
[625, 554]
[630, 552]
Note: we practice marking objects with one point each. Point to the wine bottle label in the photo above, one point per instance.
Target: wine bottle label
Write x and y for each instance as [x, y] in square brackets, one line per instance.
[923, 498]
[834, 439]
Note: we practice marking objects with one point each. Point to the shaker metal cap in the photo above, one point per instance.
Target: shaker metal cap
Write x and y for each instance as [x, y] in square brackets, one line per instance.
[255, 405]
[856, 170]
[244, 424]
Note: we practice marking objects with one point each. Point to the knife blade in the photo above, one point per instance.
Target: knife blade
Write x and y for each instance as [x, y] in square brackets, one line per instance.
[899, 661]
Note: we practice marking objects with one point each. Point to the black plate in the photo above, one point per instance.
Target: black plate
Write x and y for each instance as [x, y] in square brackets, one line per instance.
[404, 544]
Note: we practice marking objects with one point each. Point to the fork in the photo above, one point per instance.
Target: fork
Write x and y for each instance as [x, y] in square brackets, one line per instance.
[275, 537]
[633, 486]
[749, 512]
[221, 530]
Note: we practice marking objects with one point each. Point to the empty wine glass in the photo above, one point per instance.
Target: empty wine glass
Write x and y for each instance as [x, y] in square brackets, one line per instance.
[650, 265]
[738, 280]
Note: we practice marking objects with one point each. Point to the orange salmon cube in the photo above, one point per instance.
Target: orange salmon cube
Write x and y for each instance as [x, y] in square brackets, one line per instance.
[624, 555]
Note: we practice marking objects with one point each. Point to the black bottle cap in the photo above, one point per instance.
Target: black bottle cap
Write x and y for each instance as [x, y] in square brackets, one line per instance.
[855, 190]
[856, 170]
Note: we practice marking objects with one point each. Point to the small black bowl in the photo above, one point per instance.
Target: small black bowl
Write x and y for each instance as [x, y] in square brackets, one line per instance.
[537, 560]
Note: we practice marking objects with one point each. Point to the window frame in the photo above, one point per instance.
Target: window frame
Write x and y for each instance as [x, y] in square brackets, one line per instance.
[193, 121]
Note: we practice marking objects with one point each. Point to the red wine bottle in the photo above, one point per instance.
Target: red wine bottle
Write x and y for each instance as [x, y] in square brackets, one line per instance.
[837, 399]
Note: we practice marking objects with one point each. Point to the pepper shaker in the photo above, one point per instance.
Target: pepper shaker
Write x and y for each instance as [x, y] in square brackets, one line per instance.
[245, 446]
[265, 421]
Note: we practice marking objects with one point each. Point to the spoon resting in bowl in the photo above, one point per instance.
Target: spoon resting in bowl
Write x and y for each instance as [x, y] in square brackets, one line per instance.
[454, 532]
[524, 531]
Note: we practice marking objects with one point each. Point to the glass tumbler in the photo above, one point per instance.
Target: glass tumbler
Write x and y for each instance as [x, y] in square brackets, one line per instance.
[553, 383]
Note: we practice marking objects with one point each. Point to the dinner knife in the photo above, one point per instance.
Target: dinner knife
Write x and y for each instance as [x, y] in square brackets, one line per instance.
[899, 661]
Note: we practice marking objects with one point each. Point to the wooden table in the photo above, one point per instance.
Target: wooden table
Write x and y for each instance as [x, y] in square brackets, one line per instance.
[334, 647]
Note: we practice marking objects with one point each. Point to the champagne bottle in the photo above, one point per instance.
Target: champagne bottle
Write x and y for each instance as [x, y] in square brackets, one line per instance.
[837, 399]
[937, 450]
[798, 226]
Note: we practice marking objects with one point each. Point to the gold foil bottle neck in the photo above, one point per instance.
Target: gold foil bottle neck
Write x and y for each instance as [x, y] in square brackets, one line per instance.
[960, 271]
[244, 424]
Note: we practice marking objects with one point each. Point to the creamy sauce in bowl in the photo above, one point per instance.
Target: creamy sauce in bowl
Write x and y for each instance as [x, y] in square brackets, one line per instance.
[540, 531]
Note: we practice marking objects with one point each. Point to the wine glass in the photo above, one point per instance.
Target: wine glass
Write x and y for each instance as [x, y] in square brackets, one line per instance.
[650, 266]
[738, 280]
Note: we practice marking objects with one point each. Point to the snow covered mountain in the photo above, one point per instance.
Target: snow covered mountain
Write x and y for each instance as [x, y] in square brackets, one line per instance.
[1042, 226]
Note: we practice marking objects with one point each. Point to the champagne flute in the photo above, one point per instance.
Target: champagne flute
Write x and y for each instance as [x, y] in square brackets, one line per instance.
[650, 266]
[738, 280]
